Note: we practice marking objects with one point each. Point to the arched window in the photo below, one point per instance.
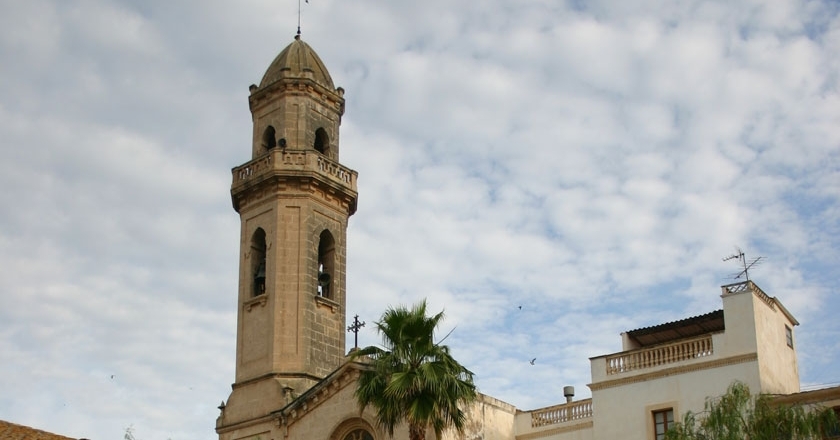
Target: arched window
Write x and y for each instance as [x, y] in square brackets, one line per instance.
[358, 434]
[353, 429]
[258, 267]
[326, 264]
[269, 140]
[322, 141]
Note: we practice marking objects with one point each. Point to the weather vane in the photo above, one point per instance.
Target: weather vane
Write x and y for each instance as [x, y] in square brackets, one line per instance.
[739, 255]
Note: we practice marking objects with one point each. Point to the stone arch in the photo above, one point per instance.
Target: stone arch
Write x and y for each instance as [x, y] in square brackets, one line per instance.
[355, 428]
[326, 264]
[269, 138]
[258, 266]
[322, 141]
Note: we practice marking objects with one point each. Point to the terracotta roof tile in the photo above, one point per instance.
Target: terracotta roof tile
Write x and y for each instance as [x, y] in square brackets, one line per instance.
[12, 431]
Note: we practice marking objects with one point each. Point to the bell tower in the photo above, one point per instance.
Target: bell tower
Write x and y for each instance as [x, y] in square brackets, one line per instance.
[294, 200]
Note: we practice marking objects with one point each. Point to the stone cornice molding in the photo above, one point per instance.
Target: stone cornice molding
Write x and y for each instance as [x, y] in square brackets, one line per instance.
[332, 99]
[732, 360]
[346, 375]
[241, 425]
[256, 379]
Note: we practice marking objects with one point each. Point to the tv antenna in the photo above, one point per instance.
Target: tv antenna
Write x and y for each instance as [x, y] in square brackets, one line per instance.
[739, 255]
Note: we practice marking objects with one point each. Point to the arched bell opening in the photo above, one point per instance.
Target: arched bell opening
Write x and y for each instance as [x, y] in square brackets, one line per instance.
[322, 142]
[258, 266]
[326, 264]
[269, 139]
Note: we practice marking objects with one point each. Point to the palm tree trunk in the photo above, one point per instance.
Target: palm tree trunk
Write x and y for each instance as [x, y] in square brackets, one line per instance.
[416, 432]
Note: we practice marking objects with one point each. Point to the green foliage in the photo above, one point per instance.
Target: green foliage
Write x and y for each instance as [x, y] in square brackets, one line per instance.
[411, 378]
[738, 415]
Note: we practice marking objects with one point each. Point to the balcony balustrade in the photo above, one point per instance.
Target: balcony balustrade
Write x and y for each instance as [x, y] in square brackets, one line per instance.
[294, 161]
[566, 412]
[660, 355]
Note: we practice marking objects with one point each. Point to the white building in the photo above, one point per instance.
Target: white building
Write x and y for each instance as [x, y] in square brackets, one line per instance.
[666, 370]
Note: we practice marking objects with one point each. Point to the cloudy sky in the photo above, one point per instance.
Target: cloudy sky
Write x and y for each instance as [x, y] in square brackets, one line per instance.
[589, 161]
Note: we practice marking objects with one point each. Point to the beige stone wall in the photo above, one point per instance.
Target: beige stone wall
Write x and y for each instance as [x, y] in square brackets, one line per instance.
[739, 318]
[625, 409]
[487, 419]
[334, 414]
[255, 323]
[329, 411]
[756, 323]
[777, 361]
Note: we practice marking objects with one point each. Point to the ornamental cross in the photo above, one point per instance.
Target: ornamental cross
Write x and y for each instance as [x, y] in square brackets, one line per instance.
[355, 328]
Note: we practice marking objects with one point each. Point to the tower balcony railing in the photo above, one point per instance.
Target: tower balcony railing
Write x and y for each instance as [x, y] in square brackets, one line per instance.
[645, 358]
[277, 159]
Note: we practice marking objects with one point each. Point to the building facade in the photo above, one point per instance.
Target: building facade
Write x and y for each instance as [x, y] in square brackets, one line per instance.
[293, 380]
[667, 370]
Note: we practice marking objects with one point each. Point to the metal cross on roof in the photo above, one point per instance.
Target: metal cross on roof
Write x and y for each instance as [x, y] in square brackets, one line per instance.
[355, 329]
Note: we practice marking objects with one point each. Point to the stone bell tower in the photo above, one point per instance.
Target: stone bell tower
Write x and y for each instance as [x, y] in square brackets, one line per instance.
[294, 199]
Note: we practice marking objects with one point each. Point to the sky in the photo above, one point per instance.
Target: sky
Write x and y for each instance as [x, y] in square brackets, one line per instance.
[549, 173]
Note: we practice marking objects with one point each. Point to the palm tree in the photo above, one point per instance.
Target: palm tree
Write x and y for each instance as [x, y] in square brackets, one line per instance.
[738, 415]
[411, 378]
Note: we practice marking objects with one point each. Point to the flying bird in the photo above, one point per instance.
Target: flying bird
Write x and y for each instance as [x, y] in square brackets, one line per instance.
[533, 360]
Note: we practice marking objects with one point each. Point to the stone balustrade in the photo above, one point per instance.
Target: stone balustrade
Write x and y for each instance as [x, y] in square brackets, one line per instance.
[280, 160]
[660, 355]
[566, 412]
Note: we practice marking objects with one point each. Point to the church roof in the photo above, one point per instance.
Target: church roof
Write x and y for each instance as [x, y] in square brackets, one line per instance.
[298, 60]
[11, 431]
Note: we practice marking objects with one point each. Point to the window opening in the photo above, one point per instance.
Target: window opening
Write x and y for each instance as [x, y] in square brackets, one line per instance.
[322, 141]
[358, 434]
[663, 421]
[258, 268]
[789, 336]
[269, 141]
[326, 264]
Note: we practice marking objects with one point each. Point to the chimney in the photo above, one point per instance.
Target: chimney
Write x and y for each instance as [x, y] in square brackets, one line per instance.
[569, 392]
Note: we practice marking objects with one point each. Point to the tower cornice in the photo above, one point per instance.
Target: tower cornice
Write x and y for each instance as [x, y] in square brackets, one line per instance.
[261, 96]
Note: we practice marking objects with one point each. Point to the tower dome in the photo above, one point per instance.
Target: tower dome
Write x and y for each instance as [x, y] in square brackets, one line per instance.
[298, 60]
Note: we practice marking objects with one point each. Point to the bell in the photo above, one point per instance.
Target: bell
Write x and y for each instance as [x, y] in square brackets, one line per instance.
[260, 275]
[324, 279]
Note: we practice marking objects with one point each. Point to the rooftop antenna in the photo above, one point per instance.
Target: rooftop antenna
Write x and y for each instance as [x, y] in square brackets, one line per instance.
[739, 255]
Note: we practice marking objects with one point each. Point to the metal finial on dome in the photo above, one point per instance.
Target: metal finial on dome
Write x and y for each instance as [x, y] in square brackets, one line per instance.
[298, 31]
